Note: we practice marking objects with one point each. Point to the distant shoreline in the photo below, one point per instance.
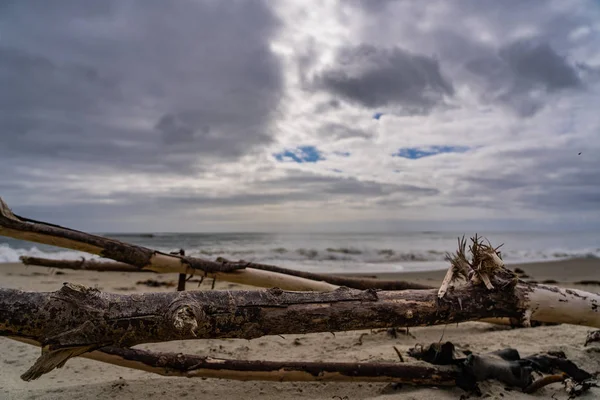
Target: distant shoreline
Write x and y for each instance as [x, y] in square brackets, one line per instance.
[569, 271]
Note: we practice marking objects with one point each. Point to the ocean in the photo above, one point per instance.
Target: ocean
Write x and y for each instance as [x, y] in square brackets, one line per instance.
[336, 252]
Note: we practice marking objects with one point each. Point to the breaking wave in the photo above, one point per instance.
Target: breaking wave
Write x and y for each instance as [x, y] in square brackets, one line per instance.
[307, 255]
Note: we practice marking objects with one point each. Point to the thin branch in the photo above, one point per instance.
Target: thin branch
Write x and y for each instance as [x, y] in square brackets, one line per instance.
[336, 280]
[193, 366]
[350, 282]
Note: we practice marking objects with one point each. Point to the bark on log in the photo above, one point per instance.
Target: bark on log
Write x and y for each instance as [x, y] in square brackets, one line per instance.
[143, 258]
[77, 319]
[92, 265]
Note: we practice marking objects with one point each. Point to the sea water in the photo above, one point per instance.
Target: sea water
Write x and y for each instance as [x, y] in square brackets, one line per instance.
[336, 252]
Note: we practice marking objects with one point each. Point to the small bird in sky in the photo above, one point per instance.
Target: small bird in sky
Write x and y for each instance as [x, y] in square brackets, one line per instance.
[579, 154]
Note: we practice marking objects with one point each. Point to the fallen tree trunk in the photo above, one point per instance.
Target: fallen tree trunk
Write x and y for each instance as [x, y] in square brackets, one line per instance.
[143, 258]
[76, 319]
[92, 265]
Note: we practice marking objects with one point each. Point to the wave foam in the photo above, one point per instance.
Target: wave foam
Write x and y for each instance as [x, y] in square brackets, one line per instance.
[9, 255]
[328, 258]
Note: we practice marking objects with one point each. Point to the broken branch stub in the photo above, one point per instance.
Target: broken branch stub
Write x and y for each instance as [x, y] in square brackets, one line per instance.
[484, 263]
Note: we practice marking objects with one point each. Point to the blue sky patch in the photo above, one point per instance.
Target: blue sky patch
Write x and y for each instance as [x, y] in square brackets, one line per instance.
[342, 153]
[414, 153]
[302, 154]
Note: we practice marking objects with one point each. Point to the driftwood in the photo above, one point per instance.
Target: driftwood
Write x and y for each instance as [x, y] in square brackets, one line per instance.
[194, 366]
[81, 264]
[77, 319]
[505, 365]
[350, 282]
[92, 265]
[334, 280]
[143, 258]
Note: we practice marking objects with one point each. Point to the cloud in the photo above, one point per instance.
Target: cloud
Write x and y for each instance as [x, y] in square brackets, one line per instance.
[342, 131]
[139, 86]
[182, 208]
[523, 74]
[377, 77]
[323, 186]
[230, 116]
[539, 64]
[523, 53]
[554, 180]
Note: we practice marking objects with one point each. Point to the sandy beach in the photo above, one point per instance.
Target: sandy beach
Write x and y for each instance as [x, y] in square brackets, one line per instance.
[86, 379]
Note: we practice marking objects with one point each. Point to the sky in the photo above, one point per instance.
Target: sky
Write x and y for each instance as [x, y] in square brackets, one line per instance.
[356, 115]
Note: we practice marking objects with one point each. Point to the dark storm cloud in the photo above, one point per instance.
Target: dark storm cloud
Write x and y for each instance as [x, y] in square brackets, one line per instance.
[521, 75]
[522, 69]
[538, 64]
[377, 77]
[138, 85]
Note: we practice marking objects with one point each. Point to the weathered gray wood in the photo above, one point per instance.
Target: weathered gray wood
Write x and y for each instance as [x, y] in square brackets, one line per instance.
[347, 281]
[140, 257]
[350, 282]
[78, 319]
